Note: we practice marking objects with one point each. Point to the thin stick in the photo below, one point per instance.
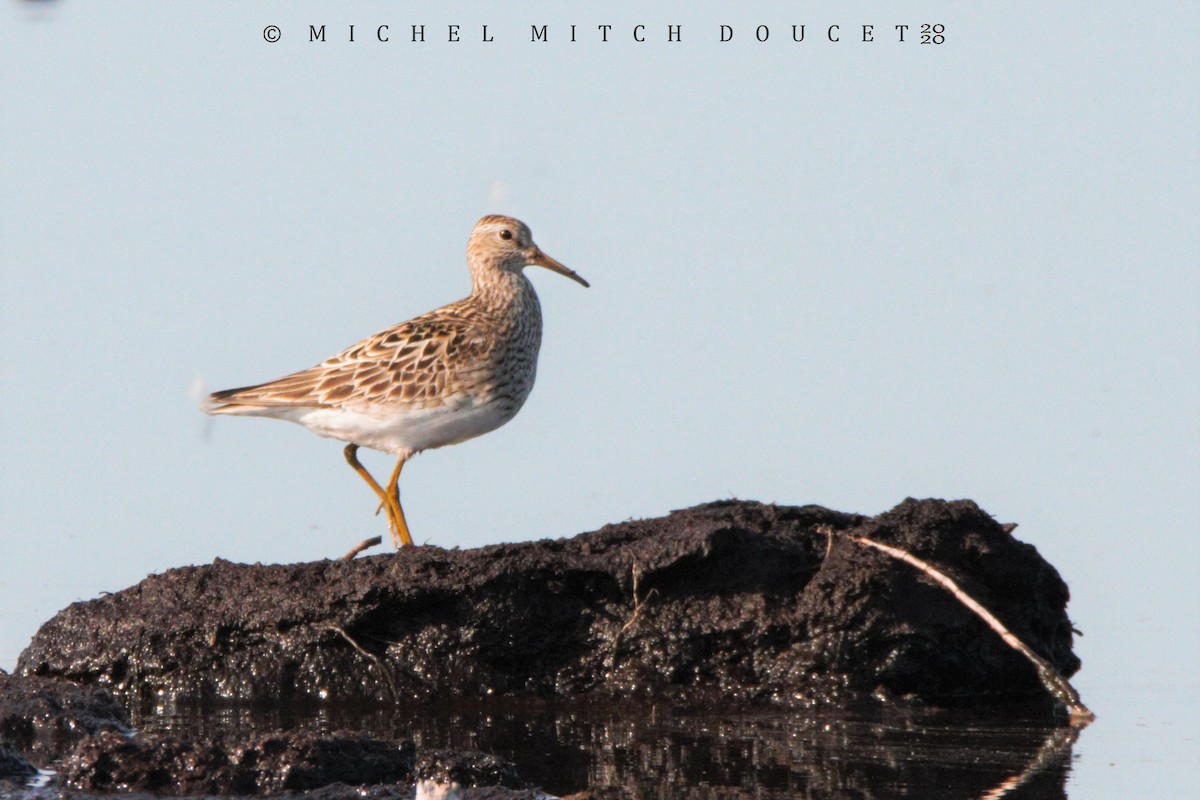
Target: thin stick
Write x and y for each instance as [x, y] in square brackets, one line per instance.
[387, 673]
[637, 609]
[363, 545]
[1056, 684]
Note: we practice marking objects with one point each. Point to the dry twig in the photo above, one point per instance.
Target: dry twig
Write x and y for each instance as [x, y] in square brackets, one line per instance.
[383, 668]
[1056, 684]
[363, 545]
[637, 609]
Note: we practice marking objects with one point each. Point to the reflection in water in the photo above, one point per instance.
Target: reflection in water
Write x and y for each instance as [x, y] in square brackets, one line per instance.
[657, 752]
[1053, 756]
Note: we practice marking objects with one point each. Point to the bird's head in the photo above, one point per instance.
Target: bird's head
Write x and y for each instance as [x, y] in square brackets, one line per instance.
[504, 243]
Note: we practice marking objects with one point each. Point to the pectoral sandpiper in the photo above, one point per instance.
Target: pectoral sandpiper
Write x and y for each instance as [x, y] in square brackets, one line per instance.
[438, 379]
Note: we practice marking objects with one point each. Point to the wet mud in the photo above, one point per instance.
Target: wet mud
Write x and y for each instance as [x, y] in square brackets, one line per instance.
[735, 644]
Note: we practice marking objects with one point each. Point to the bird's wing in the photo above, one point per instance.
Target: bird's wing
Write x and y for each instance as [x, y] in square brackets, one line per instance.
[408, 364]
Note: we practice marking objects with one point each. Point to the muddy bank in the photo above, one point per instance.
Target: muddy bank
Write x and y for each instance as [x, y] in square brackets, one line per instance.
[43, 717]
[736, 600]
[660, 649]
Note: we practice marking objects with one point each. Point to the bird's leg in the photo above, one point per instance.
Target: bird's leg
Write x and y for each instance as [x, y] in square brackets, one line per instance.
[351, 452]
[393, 491]
[396, 523]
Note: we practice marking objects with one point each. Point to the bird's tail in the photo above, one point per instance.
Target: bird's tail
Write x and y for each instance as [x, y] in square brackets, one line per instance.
[226, 402]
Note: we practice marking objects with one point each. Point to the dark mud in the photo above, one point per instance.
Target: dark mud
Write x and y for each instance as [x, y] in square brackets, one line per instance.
[739, 600]
[46, 716]
[721, 645]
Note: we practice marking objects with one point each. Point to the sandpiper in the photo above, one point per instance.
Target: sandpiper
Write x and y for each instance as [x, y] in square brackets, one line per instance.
[438, 379]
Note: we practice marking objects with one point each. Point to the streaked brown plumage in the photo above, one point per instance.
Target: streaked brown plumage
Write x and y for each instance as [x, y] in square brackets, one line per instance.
[438, 379]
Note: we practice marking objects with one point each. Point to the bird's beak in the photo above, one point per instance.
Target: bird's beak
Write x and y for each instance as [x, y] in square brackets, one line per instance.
[542, 260]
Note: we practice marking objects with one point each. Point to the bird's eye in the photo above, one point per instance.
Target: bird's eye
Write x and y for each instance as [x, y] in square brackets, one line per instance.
[506, 234]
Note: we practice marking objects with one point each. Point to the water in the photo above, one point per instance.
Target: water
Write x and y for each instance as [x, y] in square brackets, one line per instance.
[1144, 743]
[658, 752]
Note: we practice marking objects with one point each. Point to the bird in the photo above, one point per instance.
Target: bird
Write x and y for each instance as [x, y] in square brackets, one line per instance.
[441, 378]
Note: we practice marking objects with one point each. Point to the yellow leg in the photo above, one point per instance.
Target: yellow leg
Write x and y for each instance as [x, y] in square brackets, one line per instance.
[393, 491]
[396, 522]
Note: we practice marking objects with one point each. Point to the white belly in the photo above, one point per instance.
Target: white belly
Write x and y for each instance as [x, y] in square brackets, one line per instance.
[401, 432]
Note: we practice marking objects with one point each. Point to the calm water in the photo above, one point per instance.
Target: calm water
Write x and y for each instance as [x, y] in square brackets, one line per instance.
[706, 754]
[1144, 743]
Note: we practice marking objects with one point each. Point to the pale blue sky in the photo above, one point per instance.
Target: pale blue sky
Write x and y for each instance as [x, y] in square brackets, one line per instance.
[836, 274]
